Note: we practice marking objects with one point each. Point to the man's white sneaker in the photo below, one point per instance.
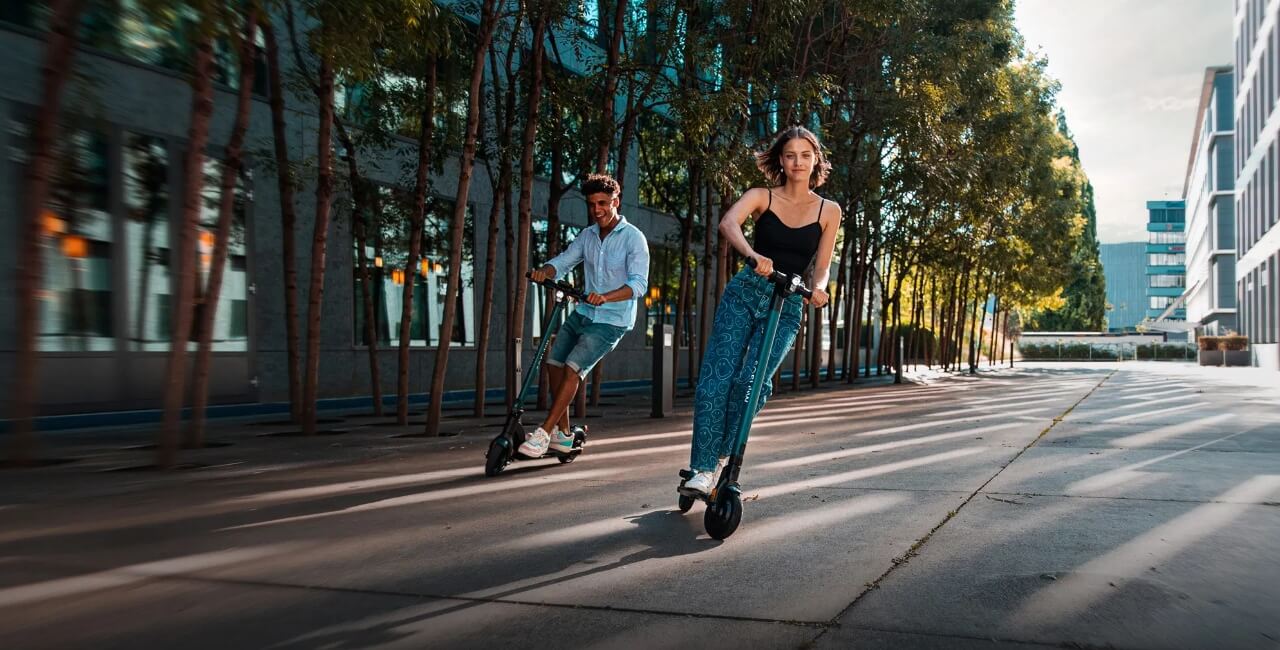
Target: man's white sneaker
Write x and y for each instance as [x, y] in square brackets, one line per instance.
[535, 444]
[561, 442]
[701, 482]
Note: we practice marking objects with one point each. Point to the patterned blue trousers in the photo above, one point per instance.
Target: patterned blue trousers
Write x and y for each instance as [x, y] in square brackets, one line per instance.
[730, 364]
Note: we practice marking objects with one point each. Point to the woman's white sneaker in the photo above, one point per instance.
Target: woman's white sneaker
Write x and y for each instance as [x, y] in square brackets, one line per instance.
[535, 444]
[702, 482]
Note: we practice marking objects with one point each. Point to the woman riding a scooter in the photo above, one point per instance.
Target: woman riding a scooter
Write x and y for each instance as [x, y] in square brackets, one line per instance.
[795, 231]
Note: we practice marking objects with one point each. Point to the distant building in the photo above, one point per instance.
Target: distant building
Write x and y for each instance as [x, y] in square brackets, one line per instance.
[1257, 158]
[1124, 267]
[1209, 191]
[1166, 266]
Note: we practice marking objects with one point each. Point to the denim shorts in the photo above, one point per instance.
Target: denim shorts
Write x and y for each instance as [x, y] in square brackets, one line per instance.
[581, 343]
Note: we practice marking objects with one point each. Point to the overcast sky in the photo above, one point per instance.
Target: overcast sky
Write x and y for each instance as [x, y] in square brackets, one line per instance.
[1131, 72]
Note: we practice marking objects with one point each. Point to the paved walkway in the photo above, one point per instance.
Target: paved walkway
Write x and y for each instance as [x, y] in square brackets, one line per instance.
[1122, 505]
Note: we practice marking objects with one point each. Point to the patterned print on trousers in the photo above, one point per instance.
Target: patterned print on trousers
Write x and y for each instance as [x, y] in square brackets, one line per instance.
[730, 363]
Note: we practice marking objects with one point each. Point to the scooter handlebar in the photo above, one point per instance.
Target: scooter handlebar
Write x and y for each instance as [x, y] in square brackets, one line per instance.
[790, 283]
[559, 285]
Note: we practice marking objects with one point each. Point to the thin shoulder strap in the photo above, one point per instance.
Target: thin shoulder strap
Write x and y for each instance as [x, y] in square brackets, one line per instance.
[820, 206]
[770, 199]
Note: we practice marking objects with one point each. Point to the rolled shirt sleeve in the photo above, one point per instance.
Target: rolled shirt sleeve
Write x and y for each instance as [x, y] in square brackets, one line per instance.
[638, 264]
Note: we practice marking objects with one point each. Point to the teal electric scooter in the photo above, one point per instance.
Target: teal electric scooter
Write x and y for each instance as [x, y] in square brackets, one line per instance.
[724, 504]
[504, 448]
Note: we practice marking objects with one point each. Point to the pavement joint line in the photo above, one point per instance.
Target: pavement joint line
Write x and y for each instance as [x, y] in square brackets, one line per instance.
[905, 557]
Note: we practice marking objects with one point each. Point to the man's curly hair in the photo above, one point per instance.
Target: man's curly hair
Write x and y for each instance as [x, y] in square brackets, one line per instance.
[601, 183]
[770, 160]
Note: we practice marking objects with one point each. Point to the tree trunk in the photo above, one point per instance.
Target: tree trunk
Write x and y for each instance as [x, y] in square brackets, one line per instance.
[425, 130]
[466, 166]
[520, 290]
[360, 209]
[995, 320]
[319, 241]
[226, 205]
[360, 219]
[498, 191]
[180, 308]
[288, 220]
[54, 73]
[607, 99]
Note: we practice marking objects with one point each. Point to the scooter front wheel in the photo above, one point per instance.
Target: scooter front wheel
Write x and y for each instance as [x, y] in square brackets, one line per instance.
[684, 503]
[723, 516]
[498, 457]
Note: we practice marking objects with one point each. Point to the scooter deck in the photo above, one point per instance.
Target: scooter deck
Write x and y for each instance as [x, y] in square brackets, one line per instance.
[551, 453]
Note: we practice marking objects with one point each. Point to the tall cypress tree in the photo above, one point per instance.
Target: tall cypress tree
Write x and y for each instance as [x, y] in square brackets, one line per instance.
[1086, 293]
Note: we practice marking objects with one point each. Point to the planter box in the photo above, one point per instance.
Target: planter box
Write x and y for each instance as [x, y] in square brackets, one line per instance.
[1210, 357]
[1225, 358]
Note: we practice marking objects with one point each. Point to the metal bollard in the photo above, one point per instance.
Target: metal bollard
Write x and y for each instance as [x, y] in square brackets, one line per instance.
[664, 384]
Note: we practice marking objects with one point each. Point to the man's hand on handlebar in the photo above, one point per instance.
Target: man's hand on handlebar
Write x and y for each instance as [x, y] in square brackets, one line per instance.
[546, 272]
[819, 298]
[596, 299]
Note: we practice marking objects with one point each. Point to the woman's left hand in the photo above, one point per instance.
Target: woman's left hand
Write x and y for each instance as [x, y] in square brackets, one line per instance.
[818, 300]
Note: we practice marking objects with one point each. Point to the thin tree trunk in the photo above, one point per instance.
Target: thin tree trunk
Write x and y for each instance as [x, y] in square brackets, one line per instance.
[520, 291]
[288, 221]
[319, 241]
[555, 191]
[360, 219]
[491, 244]
[226, 204]
[607, 100]
[935, 317]
[180, 308]
[425, 130]
[360, 208]
[54, 72]
[466, 167]
[995, 320]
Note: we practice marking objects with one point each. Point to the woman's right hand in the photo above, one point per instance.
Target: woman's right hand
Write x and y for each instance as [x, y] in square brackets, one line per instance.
[764, 266]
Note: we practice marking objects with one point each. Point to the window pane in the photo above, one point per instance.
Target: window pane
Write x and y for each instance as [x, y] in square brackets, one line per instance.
[229, 327]
[146, 204]
[75, 299]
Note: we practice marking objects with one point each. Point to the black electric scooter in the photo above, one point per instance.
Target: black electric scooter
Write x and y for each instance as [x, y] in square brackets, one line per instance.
[504, 449]
[724, 504]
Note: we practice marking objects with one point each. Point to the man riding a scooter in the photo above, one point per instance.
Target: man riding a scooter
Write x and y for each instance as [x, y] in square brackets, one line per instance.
[615, 258]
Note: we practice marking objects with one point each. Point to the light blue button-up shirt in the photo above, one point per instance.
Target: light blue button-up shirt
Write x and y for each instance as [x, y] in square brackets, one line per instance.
[622, 258]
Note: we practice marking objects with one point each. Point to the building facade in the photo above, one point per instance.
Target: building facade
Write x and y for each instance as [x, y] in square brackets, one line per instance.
[1124, 266]
[114, 209]
[1257, 50]
[1166, 265]
[115, 205]
[1209, 192]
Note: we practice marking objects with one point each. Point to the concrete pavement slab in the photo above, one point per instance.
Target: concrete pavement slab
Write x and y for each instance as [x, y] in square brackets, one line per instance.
[1091, 571]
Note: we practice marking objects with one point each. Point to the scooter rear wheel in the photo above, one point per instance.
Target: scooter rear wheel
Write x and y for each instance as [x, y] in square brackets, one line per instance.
[684, 503]
[499, 456]
[579, 439]
[723, 516]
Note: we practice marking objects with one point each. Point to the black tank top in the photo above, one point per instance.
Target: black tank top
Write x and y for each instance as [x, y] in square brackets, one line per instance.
[791, 249]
